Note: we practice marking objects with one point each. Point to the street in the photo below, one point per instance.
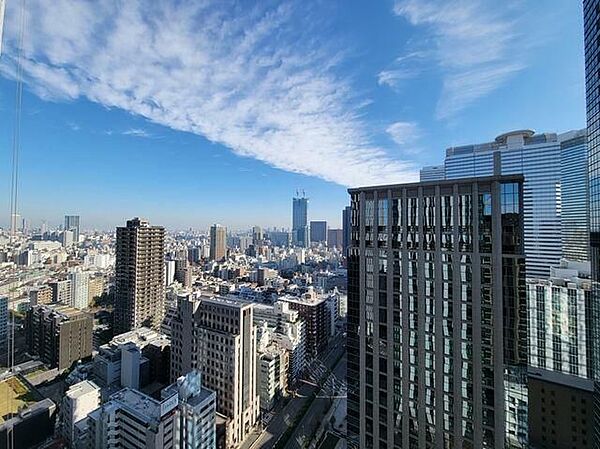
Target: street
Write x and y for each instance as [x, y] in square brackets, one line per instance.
[284, 417]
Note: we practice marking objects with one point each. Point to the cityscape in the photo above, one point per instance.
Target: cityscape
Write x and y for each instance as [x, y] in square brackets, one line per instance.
[217, 235]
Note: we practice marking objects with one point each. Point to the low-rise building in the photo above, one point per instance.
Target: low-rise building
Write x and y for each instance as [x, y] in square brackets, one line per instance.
[184, 418]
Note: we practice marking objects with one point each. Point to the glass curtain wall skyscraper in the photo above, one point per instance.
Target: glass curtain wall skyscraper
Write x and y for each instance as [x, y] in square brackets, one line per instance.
[574, 187]
[537, 157]
[300, 231]
[591, 21]
[437, 318]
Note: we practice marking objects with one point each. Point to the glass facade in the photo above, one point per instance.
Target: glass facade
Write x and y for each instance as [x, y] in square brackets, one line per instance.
[538, 159]
[575, 220]
[437, 327]
[592, 84]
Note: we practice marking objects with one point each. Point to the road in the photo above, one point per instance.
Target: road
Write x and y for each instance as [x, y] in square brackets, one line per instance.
[284, 415]
[314, 417]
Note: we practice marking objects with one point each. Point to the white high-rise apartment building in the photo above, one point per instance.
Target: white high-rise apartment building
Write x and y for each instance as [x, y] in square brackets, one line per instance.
[184, 418]
[79, 289]
[218, 337]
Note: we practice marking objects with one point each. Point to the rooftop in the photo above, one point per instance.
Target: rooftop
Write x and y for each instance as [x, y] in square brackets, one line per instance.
[137, 403]
[81, 389]
[442, 182]
[15, 395]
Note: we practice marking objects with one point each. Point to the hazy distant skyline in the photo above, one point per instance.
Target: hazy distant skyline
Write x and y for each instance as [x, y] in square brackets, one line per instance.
[191, 114]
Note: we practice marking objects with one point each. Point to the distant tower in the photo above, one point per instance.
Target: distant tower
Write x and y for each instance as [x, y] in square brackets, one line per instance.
[300, 232]
[72, 224]
[139, 276]
[218, 242]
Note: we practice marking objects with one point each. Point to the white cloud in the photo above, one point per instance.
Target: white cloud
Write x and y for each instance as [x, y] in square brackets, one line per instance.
[476, 48]
[403, 69]
[137, 132]
[405, 135]
[251, 78]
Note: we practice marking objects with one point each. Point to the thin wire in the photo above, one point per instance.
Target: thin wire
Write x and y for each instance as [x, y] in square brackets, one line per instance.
[14, 195]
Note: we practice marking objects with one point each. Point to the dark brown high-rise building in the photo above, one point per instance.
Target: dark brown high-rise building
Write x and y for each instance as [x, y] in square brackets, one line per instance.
[139, 276]
[437, 318]
[59, 335]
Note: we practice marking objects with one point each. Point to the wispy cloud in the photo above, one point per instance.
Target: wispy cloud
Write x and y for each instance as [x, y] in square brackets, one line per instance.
[252, 78]
[403, 69]
[477, 48]
[405, 135]
[137, 132]
[74, 126]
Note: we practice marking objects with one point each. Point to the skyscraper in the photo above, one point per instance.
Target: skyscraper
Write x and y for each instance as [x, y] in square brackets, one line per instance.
[575, 220]
[437, 318]
[318, 232]
[218, 337]
[257, 236]
[218, 242]
[346, 227]
[538, 158]
[72, 224]
[591, 20]
[300, 232]
[139, 276]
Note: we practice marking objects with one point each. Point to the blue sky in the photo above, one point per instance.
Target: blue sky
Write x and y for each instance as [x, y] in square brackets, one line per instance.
[190, 113]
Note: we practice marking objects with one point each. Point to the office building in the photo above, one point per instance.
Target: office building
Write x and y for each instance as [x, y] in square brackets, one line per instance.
[184, 417]
[40, 295]
[96, 287]
[316, 314]
[538, 158]
[272, 376]
[257, 236]
[139, 276]
[280, 238]
[80, 297]
[135, 359]
[574, 187]
[318, 232]
[559, 335]
[335, 238]
[72, 224]
[432, 173]
[217, 336]
[218, 242]
[169, 272]
[346, 228]
[61, 291]
[59, 335]
[288, 331]
[183, 272]
[560, 339]
[300, 231]
[79, 400]
[437, 315]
